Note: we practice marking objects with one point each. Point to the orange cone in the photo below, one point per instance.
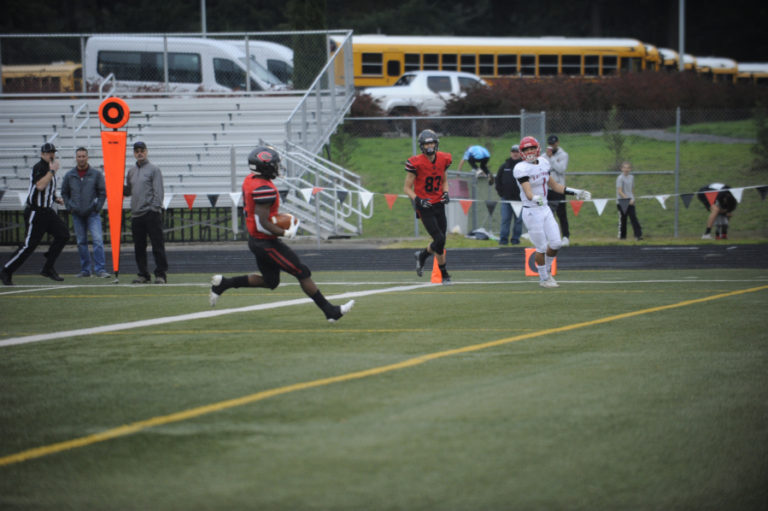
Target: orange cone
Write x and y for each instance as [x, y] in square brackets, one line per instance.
[437, 277]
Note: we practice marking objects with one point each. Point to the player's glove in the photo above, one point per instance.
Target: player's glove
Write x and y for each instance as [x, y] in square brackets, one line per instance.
[580, 194]
[422, 203]
[538, 199]
[290, 233]
[445, 199]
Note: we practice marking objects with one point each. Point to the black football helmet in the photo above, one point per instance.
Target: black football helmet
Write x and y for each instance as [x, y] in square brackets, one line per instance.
[265, 161]
[426, 137]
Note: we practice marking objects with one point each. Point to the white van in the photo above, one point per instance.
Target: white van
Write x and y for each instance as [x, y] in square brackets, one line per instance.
[194, 64]
[278, 59]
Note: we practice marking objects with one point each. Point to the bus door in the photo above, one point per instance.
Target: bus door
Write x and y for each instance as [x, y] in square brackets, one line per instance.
[393, 67]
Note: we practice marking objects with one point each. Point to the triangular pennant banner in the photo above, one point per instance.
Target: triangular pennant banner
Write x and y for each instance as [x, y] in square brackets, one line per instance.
[491, 206]
[517, 207]
[686, 198]
[465, 205]
[190, 198]
[316, 190]
[711, 196]
[2, 192]
[762, 190]
[306, 193]
[235, 196]
[624, 205]
[341, 195]
[283, 194]
[576, 206]
[737, 193]
[213, 198]
[167, 200]
[662, 200]
[391, 198]
[600, 205]
[23, 198]
[366, 198]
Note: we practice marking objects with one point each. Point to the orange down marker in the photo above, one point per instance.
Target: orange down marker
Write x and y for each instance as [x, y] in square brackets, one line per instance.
[114, 113]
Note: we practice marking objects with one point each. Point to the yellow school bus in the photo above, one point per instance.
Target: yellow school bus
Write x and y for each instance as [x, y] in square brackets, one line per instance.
[380, 59]
[753, 72]
[54, 77]
[719, 69]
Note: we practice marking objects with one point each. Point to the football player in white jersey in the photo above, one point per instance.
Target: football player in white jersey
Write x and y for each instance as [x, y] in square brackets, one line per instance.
[532, 174]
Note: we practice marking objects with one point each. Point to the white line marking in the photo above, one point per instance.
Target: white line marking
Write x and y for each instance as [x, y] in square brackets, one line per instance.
[15, 341]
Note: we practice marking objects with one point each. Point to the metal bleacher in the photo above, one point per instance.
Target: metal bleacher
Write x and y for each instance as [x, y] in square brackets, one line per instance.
[201, 144]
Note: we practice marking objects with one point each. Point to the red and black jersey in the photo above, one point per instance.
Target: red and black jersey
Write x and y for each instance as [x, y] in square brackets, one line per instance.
[257, 190]
[430, 176]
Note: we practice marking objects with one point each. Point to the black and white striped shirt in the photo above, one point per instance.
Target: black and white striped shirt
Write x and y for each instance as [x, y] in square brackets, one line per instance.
[41, 199]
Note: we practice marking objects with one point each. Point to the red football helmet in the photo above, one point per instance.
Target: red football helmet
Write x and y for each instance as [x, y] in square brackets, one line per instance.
[528, 143]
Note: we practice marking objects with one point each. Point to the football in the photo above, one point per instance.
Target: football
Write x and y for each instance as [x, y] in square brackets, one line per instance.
[282, 220]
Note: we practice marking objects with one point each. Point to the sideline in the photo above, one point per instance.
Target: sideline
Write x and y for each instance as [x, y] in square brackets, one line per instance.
[191, 413]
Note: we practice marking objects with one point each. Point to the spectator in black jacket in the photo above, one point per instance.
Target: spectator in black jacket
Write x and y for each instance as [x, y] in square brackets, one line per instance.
[508, 190]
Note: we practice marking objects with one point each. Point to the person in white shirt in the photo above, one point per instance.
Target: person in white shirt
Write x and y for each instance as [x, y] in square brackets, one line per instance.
[558, 161]
[533, 176]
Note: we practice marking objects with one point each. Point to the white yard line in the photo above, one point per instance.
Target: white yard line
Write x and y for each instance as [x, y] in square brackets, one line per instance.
[15, 341]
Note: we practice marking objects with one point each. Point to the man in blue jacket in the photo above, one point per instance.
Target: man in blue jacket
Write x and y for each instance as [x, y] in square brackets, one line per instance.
[84, 193]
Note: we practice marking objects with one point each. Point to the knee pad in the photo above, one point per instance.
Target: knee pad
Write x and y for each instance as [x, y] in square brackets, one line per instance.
[438, 245]
[556, 245]
[272, 280]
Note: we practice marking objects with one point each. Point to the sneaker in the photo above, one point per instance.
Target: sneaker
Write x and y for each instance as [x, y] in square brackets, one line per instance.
[515, 242]
[340, 311]
[447, 281]
[723, 236]
[141, 280]
[419, 263]
[6, 278]
[706, 236]
[51, 274]
[639, 238]
[525, 236]
[550, 282]
[83, 274]
[216, 290]
[160, 280]
[103, 275]
[566, 241]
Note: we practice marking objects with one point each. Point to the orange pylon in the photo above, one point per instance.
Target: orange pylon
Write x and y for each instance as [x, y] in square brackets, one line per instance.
[437, 277]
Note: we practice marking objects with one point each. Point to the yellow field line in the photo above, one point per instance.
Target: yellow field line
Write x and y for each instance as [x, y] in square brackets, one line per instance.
[191, 413]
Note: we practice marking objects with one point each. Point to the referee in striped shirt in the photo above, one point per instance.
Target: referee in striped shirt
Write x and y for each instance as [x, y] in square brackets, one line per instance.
[40, 218]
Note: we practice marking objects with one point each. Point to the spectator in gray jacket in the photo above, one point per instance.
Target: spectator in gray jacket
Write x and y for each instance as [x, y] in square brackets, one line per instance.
[144, 185]
[84, 193]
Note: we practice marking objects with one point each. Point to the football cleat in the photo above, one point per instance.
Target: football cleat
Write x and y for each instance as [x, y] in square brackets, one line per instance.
[550, 282]
[342, 310]
[706, 236]
[566, 241]
[447, 281]
[419, 263]
[216, 290]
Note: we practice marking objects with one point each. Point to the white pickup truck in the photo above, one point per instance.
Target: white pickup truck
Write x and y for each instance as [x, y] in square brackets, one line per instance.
[423, 91]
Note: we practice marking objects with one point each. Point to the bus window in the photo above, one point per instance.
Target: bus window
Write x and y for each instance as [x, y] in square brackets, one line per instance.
[184, 67]
[450, 62]
[393, 68]
[486, 65]
[468, 64]
[591, 65]
[507, 65]
[571, 64]
[547, 65]
[630, 65]
[372, 63]
[610, 65]
[439, 83]
[528, 65]
[431, 62]
[412, 62]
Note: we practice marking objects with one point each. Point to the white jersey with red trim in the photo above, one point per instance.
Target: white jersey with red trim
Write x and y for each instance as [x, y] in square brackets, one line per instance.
[538, 177]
